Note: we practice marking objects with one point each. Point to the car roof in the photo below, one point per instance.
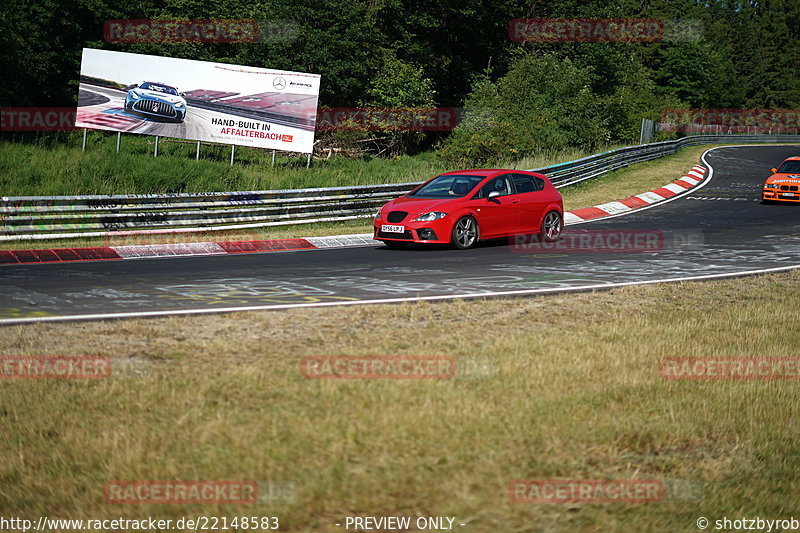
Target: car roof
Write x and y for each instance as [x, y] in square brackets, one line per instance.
[481, 171]
[793, 158]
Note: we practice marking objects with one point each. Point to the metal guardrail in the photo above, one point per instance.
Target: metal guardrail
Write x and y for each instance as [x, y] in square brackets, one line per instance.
[49, 217]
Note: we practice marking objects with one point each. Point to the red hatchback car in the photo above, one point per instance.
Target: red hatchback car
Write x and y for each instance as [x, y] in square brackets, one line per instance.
[465, 206]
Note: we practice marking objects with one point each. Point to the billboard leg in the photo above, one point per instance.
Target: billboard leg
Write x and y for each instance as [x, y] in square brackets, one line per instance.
[308, 161]
[273, 158]
[197, 155]
[83, 147]
[119, 136]
[155, 150]
[233, 148]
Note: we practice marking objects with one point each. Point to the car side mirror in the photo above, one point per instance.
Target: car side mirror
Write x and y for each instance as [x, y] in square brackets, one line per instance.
[135, 86]
[493, 194]
[182, 95]
[774, 170]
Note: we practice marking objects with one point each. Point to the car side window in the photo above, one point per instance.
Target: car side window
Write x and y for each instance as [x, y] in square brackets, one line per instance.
[525, 183]
[500, 184]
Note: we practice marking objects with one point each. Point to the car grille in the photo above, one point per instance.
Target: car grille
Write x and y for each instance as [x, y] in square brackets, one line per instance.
[792, 188]
[396, 216]
[147, 106]
[406, 235]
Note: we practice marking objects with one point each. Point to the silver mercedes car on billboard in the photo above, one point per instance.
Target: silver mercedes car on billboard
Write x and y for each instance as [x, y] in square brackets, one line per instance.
[156, 100]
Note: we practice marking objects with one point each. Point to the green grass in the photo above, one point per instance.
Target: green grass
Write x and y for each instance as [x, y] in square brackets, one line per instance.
[577, 394]
[55, 165]
[62, 169]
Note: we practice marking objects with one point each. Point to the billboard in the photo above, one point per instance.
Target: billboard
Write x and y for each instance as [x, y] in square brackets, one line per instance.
[197, 100]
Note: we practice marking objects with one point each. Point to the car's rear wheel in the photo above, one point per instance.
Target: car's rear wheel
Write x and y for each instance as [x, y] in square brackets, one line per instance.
[465, 233]
[552, 226]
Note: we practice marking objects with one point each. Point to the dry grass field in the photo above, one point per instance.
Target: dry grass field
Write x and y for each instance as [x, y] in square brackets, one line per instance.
[569, 388]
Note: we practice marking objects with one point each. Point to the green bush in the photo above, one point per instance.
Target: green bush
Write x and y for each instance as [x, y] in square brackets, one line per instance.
[542, 103]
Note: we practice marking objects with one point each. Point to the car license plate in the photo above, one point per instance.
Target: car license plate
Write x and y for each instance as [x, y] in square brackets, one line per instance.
[387, 228]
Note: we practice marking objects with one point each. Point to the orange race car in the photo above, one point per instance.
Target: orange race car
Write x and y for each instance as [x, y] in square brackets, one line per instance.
[784, 184]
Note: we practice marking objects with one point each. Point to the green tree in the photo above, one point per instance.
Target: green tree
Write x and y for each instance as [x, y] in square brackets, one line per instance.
[543, 102]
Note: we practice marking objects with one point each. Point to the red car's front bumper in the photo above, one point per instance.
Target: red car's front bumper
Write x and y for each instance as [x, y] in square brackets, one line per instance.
[432, 232]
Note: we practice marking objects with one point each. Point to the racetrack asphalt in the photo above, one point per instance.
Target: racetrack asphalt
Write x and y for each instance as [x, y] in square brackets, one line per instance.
[720, 228]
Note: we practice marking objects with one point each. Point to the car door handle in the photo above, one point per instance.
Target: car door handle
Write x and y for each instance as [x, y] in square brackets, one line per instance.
[514, 201]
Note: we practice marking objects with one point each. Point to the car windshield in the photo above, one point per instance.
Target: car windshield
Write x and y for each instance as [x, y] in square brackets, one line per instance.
[448, 186]
[159, 88]
[790, 166]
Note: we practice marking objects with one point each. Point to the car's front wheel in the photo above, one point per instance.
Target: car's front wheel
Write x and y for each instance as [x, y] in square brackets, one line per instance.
[465, 233]
[552, 225]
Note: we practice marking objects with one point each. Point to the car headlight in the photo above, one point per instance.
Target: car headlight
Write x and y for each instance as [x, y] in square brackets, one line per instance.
[179, 104]
[134, 96]
[427, 217]
[378, 214]
[770, 186]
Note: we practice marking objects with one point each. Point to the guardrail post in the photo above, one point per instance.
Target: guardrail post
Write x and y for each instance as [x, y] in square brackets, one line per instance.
[83, 146]
[119, 136]
[273, 158]
[308, 161]
[233, 147]
[197, 155]
[155, 150]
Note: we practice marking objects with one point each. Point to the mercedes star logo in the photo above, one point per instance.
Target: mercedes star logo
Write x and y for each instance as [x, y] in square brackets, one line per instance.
[279, 83]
